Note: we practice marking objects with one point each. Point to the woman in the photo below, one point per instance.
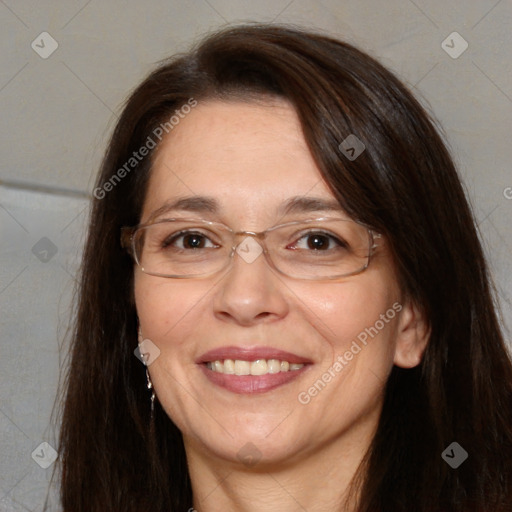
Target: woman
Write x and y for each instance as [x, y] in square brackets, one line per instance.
[280, 235]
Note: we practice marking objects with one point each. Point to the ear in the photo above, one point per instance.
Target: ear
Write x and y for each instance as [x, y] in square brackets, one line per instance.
[413, 333]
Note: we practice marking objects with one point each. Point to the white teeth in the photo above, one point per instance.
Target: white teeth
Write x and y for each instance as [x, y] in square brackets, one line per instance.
[258, 367]
[274, 366]
[229, 366]
[242, 367]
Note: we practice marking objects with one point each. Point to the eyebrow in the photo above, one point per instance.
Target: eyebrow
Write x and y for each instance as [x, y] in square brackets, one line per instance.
[206, 204]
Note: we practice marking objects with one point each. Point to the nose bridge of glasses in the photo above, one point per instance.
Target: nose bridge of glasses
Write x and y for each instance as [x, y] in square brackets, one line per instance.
[242, 235]
[249, 245]
[238, 237]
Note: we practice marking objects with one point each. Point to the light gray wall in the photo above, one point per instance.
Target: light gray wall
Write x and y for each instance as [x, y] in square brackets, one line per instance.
[56, 113]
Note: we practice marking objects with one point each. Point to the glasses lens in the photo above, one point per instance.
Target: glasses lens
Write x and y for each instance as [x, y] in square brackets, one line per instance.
[312, 249]
[181, 248]
[320, 249]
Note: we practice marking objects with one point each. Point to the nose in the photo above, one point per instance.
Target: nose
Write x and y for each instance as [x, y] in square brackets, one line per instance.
[250, 292]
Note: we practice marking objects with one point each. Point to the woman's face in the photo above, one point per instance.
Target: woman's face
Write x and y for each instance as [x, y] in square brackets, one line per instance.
[251, 158]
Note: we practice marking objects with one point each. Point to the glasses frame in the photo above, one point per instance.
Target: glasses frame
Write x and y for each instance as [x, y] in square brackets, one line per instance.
[128, 243]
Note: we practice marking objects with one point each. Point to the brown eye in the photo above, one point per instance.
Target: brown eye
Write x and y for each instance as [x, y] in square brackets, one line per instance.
[188, 240]
[318, 242]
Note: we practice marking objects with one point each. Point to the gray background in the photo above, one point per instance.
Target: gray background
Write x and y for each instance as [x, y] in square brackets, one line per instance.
[57, 113]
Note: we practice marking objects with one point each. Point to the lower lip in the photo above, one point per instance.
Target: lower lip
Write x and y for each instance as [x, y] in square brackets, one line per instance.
[248, 384]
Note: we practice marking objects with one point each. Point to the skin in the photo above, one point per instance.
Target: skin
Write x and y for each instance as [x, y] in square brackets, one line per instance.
[251, 157]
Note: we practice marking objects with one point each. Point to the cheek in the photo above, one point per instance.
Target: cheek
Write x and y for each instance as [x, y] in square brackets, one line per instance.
[359, 322]
[348, 310]
[164, 306]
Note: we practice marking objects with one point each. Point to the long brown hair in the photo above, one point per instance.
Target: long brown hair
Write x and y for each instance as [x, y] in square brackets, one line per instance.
[403, 185]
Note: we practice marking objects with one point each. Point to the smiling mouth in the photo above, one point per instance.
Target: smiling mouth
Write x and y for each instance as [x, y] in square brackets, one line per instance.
[251, 369]
[257, 367]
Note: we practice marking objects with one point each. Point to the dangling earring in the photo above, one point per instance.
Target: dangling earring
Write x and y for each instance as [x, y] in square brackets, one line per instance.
[148, 378]
[150, 386]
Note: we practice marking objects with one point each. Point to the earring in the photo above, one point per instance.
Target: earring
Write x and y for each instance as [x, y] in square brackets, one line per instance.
[148, 378]
[150, 386]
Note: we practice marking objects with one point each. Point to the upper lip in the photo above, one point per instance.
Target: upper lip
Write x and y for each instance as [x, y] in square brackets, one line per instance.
[250, 354]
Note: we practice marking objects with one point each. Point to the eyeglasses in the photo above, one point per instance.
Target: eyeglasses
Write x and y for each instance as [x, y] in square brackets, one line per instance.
[323, 248]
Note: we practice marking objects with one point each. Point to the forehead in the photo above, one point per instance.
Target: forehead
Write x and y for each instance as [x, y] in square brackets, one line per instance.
[250, 157]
